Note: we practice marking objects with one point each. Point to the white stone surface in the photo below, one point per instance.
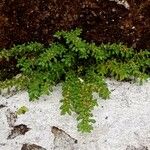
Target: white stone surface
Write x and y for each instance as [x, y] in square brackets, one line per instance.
[122, 120]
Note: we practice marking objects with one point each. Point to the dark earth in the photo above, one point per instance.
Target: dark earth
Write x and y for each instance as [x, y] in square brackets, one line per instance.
[102, 21]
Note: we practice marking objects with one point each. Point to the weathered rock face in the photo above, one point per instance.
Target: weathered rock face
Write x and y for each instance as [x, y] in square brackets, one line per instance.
[101, 21]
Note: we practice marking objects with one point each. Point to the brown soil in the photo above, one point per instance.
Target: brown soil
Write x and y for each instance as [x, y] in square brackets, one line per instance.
[101, 20]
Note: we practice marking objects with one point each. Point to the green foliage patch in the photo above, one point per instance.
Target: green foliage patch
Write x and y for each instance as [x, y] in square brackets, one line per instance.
[22, 110]
[81, 67]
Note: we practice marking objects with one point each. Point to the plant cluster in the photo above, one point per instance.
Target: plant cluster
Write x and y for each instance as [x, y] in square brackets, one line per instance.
[80, 66]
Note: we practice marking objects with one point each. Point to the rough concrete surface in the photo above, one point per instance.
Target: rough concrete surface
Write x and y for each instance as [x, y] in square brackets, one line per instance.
[122, 122]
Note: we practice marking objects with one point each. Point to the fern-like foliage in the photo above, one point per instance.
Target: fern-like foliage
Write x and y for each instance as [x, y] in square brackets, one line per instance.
[81, 67]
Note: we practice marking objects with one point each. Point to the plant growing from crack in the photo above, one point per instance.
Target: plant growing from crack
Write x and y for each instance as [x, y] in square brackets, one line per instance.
[81, 67]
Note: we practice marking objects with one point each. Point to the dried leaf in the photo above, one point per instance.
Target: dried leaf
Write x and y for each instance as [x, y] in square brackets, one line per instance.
[18, 130]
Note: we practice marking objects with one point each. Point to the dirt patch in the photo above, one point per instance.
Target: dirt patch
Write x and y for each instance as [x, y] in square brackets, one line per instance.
[18, 130]
[134, 148]
[32, 147]
[11, 117]
[2, 106]
[101, 21]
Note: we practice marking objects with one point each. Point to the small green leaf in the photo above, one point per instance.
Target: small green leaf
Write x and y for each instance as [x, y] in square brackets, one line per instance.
[22, 110]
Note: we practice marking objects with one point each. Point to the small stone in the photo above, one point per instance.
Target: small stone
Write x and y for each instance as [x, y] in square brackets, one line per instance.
[106, 117]
[62, 140]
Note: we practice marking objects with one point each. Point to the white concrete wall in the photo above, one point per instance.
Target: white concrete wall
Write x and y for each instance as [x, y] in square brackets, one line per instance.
[123, 121]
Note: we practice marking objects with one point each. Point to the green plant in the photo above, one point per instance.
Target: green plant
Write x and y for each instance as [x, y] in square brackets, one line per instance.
[22, 110]
[81, 67]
